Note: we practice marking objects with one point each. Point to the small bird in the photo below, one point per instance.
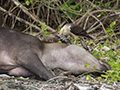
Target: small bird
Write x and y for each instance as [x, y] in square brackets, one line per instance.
[76, 32]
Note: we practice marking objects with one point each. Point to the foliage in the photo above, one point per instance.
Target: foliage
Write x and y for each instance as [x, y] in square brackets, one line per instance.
[29, 1]
[44, 28]
[114, 61]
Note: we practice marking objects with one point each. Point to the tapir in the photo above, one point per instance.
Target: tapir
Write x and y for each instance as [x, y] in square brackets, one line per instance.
[25, 55]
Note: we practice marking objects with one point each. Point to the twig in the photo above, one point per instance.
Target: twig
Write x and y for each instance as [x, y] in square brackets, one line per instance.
[105, 37]
[48, 12]
[54, 78]
[68, 16]
[35, 18]
[88, 14]
[100, 22]
[7, 15]
[110, 15]
[92, 29]
[20, 19]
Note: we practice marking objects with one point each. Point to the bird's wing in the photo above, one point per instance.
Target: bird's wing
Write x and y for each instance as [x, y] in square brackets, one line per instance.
[75, 29]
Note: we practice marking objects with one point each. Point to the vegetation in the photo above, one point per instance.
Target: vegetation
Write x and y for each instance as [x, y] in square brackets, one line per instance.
[101, 17]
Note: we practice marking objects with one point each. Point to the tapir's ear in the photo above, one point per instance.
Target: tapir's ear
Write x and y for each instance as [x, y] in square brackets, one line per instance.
[106, 66]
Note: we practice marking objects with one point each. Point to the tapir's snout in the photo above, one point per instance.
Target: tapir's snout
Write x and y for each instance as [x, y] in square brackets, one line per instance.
[104, 66]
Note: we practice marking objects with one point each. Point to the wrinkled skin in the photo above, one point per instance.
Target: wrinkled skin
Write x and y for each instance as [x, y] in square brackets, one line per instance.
[25, 55]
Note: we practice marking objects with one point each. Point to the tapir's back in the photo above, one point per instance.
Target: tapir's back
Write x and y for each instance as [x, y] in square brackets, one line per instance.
[13, 39]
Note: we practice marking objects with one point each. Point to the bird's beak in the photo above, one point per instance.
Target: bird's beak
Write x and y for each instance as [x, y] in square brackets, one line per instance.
[61, 32]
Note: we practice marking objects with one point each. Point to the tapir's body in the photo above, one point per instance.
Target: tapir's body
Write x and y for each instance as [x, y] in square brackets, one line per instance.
[25, 55]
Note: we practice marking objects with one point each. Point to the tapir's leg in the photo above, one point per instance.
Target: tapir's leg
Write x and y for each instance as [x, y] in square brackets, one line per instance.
[20, 71]
[29, 60]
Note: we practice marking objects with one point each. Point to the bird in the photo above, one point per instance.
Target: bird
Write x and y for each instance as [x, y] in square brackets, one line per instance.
[76, 32]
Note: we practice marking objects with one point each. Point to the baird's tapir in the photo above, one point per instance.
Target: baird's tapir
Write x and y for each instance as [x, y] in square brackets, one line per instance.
[25, 55]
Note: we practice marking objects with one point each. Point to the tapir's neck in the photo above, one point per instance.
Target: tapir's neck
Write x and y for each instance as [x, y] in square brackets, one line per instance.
[56, 46]
[51, 53]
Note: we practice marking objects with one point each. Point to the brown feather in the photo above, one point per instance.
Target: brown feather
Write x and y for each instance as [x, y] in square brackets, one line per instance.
[77, 30]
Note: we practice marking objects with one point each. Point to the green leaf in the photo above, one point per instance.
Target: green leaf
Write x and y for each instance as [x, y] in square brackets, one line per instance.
[87, 65]
[95, 6]
[105, 76]
[27, 2]
[99, 2]
[88, 77]
[73, 6]
[100, 14]
[106, 43]
[110, 34]
[99, 78]
[31, 0]
[109, 29]
[71, 15]
[107, 4]
[118, 41]
[112, 24]
[83, 8]
[113, 58]
[43, 27]
[47, 33]
[69, 2]
[59, 30]
[42, 39]
[64, 6]
[39, 24]
[59, 42]
[94, 53]
[94, 67]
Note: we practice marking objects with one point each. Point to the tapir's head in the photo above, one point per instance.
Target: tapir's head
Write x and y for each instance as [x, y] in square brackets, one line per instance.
[105, 66]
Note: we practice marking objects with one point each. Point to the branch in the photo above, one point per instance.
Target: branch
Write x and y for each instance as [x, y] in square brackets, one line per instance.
[110, 15]
[105, 37]
[100, 22]
[35, 18]
[88, 14]
[20, 19]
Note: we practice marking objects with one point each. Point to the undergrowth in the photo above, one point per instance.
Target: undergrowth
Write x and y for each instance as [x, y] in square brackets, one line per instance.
[72, 11]
[113, 56]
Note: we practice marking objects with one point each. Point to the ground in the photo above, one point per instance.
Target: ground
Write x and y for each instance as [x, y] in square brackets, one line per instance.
[57, 83]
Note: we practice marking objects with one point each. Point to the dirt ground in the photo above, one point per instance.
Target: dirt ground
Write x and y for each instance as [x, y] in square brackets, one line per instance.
[57, 83]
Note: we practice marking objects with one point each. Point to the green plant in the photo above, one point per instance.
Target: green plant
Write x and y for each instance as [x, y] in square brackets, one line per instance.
[114, 61]
[29, 1]
[44, 28]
